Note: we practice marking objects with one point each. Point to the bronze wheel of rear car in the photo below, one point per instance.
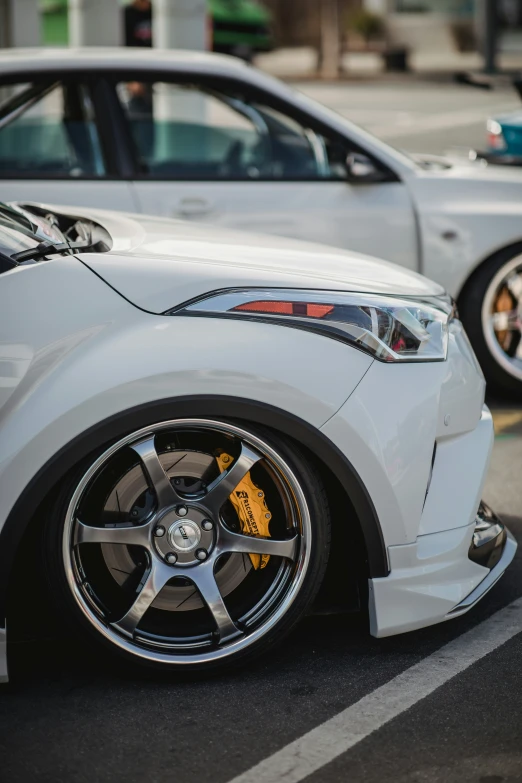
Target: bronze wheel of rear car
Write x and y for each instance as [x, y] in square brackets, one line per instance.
[491, 310]
[190, 543]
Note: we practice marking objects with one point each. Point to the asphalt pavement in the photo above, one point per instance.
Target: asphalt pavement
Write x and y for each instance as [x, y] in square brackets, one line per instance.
[68, 716]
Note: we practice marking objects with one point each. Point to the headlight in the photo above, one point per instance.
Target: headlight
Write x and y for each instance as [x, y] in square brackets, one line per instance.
[392, 329]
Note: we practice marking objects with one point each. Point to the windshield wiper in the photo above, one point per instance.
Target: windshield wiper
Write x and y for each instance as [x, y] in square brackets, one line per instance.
[48, 247]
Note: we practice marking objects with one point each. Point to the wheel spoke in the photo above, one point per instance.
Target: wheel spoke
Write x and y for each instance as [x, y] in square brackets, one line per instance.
[225, 484]
[514, 283]
[235, 542]
[129, 536]
[157, 578]
[204, 579]
[165, 492]
[505, 320]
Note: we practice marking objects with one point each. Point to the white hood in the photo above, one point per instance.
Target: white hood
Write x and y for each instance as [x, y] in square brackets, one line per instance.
[157, 264]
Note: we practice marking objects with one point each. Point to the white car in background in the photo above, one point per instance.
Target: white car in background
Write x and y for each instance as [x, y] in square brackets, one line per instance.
[199, 430]
[206, 138]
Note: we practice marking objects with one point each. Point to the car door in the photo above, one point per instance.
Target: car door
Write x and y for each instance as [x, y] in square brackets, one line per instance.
[51, 146]
[212, 151]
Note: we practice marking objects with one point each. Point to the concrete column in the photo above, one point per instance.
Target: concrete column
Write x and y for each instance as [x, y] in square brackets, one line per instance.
[180, 24]
[95, 23]
[20, 23]
[330, 39]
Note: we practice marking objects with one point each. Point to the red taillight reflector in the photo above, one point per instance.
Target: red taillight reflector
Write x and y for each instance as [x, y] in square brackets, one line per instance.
[287, 308]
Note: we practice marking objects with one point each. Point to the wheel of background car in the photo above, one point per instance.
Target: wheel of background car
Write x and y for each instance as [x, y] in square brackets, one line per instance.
[191, 543]
[491, 310]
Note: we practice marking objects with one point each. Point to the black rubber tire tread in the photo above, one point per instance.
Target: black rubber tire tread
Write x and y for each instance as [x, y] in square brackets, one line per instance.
[317, 500]
[470, 308]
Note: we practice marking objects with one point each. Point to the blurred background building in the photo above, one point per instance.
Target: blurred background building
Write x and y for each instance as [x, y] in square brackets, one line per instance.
[394, 29]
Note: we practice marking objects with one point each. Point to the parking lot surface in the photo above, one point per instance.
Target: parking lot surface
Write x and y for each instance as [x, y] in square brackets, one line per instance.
[422, 116]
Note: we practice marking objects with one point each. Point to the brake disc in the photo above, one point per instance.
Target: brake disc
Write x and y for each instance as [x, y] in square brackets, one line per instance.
[188, 469]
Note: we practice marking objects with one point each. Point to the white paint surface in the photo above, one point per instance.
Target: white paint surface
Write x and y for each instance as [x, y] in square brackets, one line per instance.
[334, 737]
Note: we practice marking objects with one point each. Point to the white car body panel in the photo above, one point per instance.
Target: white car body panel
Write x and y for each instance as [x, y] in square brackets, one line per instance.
[86, 193]
[433, 221]
[389, 427]
[185, 261]
[107, 357]
[427, 580]
[334, 213]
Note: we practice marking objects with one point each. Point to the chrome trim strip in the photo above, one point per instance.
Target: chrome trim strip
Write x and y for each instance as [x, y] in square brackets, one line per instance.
[491, 579]
[4, 676]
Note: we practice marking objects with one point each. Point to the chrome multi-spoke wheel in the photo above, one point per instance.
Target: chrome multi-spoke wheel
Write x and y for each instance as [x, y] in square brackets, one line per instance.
[491, 309]
[156, 556]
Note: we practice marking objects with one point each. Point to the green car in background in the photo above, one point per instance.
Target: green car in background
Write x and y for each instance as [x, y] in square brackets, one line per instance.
[239, 27]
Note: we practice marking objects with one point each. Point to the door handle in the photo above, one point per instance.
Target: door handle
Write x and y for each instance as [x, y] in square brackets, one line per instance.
[194, 207]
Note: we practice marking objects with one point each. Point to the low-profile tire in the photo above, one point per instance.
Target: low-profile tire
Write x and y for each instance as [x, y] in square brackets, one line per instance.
[146, 552]
[491, 311]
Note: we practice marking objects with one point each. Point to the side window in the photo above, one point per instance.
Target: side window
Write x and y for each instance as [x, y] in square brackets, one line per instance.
[52, 133]
[190, 132]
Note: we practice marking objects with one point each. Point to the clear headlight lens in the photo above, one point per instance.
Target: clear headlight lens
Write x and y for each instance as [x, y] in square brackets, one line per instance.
[391, 329]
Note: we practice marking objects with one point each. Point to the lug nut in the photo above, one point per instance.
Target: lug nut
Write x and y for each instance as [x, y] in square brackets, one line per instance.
[159, 531]
[268, 516]
[260, 494]
[207, 524]
[201, 554]
[171, 558]
[182, 511]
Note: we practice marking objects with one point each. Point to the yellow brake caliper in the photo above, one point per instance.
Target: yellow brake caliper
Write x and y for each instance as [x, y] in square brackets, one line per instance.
[250, 506]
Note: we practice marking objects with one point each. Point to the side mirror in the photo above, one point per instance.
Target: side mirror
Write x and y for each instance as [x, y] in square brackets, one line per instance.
[361, 169]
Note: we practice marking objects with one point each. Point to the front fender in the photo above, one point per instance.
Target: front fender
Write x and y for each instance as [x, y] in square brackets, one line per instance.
[465, 220]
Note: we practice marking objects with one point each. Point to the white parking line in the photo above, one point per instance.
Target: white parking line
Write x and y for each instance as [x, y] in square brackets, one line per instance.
[337, 735]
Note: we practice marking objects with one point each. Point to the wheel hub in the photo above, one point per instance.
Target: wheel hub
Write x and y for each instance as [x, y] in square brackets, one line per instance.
[185, 537]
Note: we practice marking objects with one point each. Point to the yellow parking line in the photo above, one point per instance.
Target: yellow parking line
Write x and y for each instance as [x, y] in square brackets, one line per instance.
[505, 419]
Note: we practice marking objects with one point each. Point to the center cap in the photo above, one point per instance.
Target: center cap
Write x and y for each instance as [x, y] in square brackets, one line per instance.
[184, 535]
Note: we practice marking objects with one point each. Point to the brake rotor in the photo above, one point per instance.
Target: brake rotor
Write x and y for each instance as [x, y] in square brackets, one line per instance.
[189, 470]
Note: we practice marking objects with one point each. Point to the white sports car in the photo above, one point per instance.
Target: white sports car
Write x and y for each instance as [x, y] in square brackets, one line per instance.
[200, 430]
[205, 137]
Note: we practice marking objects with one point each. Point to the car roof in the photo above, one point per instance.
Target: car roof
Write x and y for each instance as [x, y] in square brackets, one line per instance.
[15, 61]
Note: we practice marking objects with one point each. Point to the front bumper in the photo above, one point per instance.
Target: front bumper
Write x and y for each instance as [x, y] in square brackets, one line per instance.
[492, 546]
[441, 576]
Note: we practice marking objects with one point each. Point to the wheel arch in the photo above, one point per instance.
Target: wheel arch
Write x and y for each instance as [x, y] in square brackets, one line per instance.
[509, 250]
[316, 443]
